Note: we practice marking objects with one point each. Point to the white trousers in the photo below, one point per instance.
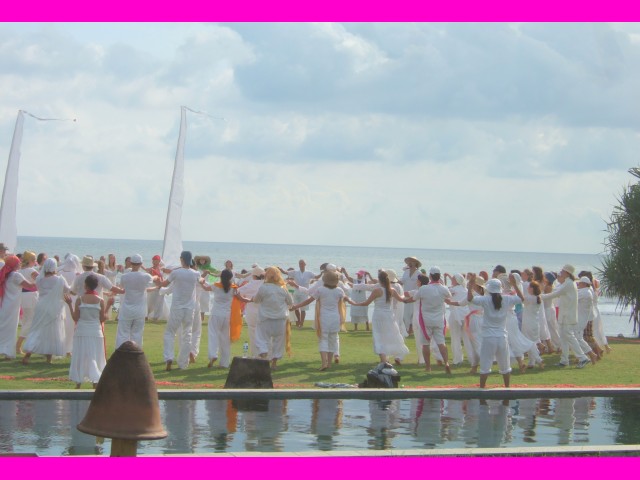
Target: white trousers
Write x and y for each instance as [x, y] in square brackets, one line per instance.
[196, 332]
[328, 342]
[270, 337]
[251, 317]
[498, 348]
[552, 325]
[568, 340]
[179, 319]
[455, 332]
[129, 329]
[219, 341]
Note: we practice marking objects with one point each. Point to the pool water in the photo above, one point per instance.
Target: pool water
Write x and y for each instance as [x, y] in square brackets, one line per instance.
[47, 427]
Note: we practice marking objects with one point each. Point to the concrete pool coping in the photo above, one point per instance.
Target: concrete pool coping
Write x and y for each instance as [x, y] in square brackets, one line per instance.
[340, 393]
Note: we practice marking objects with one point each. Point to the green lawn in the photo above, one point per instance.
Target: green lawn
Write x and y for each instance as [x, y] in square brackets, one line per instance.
[619, 368]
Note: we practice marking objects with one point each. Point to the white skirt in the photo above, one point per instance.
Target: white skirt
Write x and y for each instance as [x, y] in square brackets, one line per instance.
[88, 359]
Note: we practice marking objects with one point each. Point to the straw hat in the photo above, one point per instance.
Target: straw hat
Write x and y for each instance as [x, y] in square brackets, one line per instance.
[413, 259]
[330, 279]
[87, 261]
[480, 281]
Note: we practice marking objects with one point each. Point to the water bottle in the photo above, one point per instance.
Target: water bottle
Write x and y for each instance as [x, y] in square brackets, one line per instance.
[245, 350]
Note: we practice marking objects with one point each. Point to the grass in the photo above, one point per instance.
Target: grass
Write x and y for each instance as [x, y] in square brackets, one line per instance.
[619, 368]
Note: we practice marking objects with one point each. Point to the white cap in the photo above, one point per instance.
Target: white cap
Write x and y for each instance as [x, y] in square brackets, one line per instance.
[493, 286]
[331, 267]
[585, 280]
[136, 259]
[434, 270]
[257, 271]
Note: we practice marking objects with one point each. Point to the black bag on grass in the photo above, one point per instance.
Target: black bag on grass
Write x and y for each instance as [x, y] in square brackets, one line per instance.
[382, 376]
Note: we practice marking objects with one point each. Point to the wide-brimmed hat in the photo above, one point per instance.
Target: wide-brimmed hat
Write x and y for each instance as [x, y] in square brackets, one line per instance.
[206, 258]
[413, 259]
[480, 281]
[330, 279]
[393, 276]
[87, 261]
[569, 269]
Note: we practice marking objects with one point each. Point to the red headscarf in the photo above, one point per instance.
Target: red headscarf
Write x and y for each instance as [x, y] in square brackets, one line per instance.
[11, 264]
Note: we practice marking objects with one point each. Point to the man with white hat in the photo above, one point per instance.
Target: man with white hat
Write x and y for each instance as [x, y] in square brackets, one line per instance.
[409, 282]
[249, 290]
[133, 307]
[432, 298]
[88, 264]
[567, 294]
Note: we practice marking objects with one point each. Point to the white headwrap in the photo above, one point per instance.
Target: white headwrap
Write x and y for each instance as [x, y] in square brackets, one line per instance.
[71, 263]
[50, 265]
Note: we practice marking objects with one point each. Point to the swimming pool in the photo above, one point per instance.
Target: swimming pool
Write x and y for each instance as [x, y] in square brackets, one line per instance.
[210, 426]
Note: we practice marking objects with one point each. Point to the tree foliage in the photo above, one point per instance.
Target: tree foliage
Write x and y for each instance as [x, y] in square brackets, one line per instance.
[620, 271]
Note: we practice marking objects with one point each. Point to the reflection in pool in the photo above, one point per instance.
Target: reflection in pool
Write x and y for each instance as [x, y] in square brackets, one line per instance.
[47, 427]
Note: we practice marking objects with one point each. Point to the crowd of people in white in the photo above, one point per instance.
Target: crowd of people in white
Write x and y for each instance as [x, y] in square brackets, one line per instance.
[57, 307]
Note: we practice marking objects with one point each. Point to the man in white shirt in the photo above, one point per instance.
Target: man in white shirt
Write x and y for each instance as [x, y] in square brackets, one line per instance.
[133, 307]
[183, 302]
[432, 298]
[567, 294]
[88, 264]
[302, 277]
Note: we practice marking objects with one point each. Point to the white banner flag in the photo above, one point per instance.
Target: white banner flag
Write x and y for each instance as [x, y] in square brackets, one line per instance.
[8, 224]
[172, 246]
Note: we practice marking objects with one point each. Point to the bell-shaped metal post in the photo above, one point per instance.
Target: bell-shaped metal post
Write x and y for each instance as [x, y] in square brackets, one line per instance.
[125, 405]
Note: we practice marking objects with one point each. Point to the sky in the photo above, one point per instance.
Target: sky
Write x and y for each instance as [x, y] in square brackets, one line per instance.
[465, 136]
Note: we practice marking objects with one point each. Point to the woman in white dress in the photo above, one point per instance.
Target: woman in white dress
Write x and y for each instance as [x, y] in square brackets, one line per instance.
[220, 319]
[550, 313]
[518, 343]
[28, 299]
[89, 356]
[70, 268]
[532, 319]
[396, 306]
[329, 299]
[472, 330]
[46, 336]
[545, 334]
[11, 284]
[387, 339]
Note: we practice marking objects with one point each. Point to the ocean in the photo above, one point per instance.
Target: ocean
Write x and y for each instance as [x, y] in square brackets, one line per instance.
[243, 255]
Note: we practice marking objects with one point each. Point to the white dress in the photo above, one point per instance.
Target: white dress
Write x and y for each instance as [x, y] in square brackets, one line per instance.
[28, 302]
[47, 334]
[10, 313]
[387, 339]
[88, 359]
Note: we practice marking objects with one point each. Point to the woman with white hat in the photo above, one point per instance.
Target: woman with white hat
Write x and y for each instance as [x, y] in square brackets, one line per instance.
[494, 326]
[249, 290]
[46, 336]
[409, 282]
